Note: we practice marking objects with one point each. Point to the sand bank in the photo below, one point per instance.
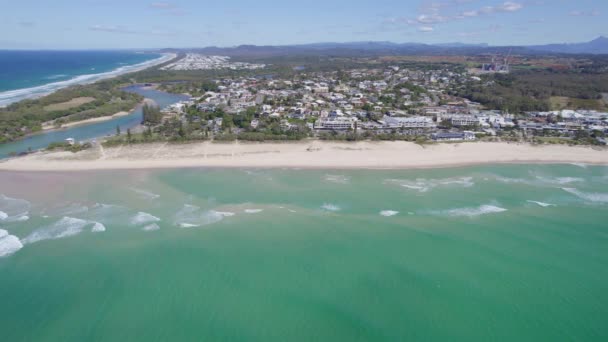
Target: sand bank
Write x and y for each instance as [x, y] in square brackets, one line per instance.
[51, 126]
[310, 154]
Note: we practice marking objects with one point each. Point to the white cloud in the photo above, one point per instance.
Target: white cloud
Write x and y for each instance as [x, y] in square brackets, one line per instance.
[510, 6]
[112, 29]
[440, 12]
[426, 29]
[168, 8]
[125, 30]
[162, 5]
[592, 13]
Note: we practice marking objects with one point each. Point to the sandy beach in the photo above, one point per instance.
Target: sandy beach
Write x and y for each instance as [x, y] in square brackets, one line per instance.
[310, 154]
[50, 126]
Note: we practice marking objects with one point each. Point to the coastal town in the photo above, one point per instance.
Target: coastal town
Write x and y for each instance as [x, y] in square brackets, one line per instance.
[195, 61]
[389, 103]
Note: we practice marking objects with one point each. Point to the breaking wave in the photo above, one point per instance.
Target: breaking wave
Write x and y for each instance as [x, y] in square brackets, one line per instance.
[14, 209]
[587, 196]
[108, 214]
[143, 218]
[542, 204]
[425, 185]
[98, 228]
[72, 209]
[253, 211]
[330, 207]
[389, 213]
[145, 194]
[9, 244]
[22, 218]
[151, 227]
[191, 216]
[54, 77]
[66, 227]
[540, 180]
[339, 179]
[11, 96]
[471, 212]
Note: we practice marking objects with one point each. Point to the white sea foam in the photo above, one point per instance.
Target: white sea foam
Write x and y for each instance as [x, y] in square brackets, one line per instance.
[581, 165]
[21, 218]
[225, 213]
[542, 204]
[471, 212]
[188, 225]
[339, 179]
[3, 233]
[587, 196]
[66, 227]
[9, 244]
[540, 180]
[330, 207]
[388, 213]
[72, 209]
[561, 180]
[151, 227]
[192, 216]
[253, 211]
[98, 228]
[107, 214]
[13, 209]
[425, 185]
[145, 194]
[143, 218]
[54, 77]
[12, 96]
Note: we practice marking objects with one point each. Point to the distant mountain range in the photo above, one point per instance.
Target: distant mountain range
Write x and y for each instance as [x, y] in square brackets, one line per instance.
[596, 46]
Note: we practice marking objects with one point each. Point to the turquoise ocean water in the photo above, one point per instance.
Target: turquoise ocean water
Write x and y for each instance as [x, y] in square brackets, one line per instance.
[488, 253]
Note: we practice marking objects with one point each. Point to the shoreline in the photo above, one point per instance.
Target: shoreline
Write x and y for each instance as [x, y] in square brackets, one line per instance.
[47, 127]
[16, 95]
[314, 155]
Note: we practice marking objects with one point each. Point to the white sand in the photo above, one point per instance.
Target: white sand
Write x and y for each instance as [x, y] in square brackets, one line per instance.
[49, 126]
[309, 154]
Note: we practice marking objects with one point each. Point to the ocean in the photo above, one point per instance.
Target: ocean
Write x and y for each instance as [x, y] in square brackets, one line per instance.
[27, 74]
[486, 253]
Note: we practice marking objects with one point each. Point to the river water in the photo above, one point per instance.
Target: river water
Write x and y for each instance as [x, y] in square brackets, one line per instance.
[92, 131]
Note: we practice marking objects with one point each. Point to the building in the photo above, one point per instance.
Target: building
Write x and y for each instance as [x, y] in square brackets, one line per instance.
[464, 120]
[336, 124]
[412, 122]
[458, 136]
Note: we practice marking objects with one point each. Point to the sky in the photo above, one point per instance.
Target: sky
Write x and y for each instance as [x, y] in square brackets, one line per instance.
[118, 24]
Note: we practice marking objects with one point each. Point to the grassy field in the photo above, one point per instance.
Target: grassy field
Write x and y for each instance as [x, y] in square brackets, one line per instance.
[563, 102]
[73, 103]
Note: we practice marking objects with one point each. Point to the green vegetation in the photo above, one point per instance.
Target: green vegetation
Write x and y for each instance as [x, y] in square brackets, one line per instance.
[27, 116]
[538, 90]
[151, 115]
[65, 146]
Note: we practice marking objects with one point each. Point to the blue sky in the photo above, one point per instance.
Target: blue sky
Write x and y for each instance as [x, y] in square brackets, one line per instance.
[97, 24]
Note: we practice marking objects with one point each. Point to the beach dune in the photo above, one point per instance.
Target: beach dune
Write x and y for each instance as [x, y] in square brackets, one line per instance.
[311, 154]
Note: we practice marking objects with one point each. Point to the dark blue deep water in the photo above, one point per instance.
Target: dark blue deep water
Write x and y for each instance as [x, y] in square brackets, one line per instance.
[26, 69]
